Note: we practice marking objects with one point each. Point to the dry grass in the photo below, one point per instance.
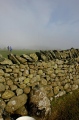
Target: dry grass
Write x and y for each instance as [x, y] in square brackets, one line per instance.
[66, 107]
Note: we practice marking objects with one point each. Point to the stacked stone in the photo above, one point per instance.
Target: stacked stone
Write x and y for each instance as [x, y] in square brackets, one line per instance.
[17, 81]
[13, 96]
[59, 54]
[45, 56]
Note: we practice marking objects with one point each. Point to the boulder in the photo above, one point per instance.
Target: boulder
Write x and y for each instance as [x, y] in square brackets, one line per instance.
[43, 81]
[13, 59]
[21, 111]
[56, 90]
[8, 70]
[39, 104]
[74, 87]
[43, 57]
[27, 57]
[26, 72]
[20, 59]
[19, 91]
[27, 90]
[6, 62]
[15, 103]
[34, 56]
[13, 87]
[8, 94]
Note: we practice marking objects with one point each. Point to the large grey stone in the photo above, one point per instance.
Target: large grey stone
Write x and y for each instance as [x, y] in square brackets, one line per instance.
[8, 94]
[6, 62]
[39, 103]
[16, 102]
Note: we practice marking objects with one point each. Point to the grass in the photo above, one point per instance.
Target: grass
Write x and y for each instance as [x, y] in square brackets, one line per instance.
[66, 107]
[5, 52]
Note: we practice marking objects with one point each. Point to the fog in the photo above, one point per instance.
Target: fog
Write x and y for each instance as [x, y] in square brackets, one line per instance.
[39, 24]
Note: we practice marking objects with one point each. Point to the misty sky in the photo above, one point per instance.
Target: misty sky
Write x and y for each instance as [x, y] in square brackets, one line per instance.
[39, 24]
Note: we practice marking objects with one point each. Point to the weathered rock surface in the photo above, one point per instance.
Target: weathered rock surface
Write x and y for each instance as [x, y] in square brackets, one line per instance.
[8, 94]
[27, 57]
[39, 103]
[6, 62]
[20, 59]
[22, 111]
[27, 89]
[13, 59]
[19, 91]
[34, 56]
[16, 102]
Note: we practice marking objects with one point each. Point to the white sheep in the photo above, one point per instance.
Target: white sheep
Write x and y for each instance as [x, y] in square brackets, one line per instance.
[25, 118]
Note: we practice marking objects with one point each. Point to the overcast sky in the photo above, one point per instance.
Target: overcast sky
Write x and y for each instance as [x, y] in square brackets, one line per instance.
[39, 24]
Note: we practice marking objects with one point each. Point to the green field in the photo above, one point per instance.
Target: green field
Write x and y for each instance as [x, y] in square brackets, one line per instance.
[4, 52]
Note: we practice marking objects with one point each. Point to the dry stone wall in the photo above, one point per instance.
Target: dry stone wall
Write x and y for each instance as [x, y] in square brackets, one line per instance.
[54, 72]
